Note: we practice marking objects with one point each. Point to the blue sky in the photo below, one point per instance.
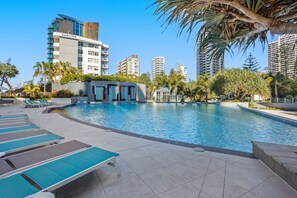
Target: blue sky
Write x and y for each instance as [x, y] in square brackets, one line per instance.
[127, 26]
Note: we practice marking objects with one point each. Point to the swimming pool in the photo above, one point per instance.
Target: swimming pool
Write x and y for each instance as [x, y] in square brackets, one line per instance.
[209, 125]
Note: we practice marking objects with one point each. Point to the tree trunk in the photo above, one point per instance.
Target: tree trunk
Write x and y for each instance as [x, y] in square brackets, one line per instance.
[206, 95]
[44, 81]
[9, 87]
[275, 90]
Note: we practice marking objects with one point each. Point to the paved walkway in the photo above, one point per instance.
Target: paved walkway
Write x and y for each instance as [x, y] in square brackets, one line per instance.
[151, 169]
[286, 114]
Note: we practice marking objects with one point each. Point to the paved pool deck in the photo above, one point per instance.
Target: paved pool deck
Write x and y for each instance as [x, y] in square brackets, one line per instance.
[151, 169]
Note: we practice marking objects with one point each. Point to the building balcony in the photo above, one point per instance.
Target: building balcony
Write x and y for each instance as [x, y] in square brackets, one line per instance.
[104, 66]
[104, 52]
[105, 60]
[50, 46]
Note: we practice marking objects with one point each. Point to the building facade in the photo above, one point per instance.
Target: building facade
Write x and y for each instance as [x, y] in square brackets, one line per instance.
[158, 66]
[182, 69]
[207, 65]
[282, 55]
[76, 42]
[129, 66]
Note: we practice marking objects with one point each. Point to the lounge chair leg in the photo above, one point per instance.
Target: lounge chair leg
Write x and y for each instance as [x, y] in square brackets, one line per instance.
[116, 164]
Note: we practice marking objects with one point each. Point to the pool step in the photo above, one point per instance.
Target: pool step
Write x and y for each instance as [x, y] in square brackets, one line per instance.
[281, 159]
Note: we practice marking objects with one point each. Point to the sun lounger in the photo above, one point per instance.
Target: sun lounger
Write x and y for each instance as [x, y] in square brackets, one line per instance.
[18, 128]
[28, 143]
[13, 116]
[9, 125]
[17, 119]
[47, 103]
[54, 174]
[32, 104]
[14, 122]
[15, 136]
[25, 160]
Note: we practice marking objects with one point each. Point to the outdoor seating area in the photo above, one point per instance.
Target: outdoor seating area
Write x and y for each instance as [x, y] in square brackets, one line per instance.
[38, 103]
[32, 159]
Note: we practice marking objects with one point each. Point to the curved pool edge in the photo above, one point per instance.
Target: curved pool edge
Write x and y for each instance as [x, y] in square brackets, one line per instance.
[270, 116]
[162, 140]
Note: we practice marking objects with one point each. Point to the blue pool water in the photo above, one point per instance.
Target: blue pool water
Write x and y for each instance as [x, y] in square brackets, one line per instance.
[210, 125]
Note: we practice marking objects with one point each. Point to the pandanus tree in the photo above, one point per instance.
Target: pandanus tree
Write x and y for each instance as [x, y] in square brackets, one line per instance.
[10, 71]
[42, 69]
[230, 23]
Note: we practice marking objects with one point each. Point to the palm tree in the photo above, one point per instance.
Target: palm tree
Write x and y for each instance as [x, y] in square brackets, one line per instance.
[61, 69]
[31, 89]
[42, 69]
[176, 83]
[159, 82]
[10, 72]
[278, 81]
[230, 23]
[191, 90]
[203, 83]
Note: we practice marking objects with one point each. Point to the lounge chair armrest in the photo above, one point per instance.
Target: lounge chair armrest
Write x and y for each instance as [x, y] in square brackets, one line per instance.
[42, 195]
[2, 154]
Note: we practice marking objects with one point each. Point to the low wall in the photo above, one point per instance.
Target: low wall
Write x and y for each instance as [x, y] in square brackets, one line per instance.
[283, 106]
[74, 87]
[141, 92]
[61, 100]
[233, 104]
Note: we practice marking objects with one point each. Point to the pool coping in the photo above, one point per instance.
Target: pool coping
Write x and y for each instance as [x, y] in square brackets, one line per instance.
[162, 140]
[271, 116]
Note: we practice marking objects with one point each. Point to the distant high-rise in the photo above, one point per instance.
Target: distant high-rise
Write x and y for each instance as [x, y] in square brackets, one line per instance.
[76, 42]
[282, 55]
[129, 66]
[206, 64]
[158, 66]
[182, 69]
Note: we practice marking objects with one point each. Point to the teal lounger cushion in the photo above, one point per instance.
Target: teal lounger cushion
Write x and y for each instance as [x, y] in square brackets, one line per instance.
[17, 144]
[18, 128]
[13, 116]
[15, 187]
[62, 169]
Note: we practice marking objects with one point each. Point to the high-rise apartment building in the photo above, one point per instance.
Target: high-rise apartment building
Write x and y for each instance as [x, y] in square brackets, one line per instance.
[182, 69]
[76, 42]
[206, 64]
[282, 55]
[129, 66]
[158, 66]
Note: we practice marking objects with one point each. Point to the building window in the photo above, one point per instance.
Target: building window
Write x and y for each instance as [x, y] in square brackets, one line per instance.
[80, 51]
[93, 53]
[92, 60]
[81, 44]
[79, 59]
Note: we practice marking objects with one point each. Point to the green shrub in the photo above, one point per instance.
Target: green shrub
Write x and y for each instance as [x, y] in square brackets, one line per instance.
[251, 105]
[62, 94]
